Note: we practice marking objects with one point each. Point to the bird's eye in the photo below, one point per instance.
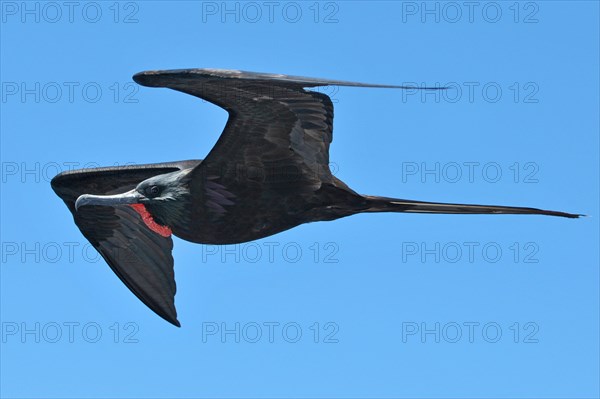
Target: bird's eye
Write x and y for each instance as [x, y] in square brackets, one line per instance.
[153, 191]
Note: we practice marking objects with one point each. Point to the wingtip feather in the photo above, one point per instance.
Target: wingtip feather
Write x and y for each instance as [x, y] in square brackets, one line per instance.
[159, 78]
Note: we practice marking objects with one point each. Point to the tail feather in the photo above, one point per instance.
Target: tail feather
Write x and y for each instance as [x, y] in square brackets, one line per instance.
[385, 204]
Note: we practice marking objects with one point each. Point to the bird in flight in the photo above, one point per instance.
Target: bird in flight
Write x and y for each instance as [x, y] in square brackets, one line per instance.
[268, 172]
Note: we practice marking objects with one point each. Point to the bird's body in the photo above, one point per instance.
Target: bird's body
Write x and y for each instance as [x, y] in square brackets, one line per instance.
[267, 173]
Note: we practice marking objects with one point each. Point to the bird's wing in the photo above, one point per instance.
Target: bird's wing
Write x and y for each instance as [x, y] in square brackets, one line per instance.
[140, 257]
[277, 135]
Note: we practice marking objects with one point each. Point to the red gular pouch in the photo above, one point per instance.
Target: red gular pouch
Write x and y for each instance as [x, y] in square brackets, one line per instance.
[149, 221]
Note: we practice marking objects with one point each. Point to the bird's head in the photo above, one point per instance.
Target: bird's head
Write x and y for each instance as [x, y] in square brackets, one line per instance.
[161, 189]
[163, 195]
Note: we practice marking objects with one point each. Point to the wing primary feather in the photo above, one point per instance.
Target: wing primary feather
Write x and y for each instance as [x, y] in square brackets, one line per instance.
[140, 257]
[163, 78]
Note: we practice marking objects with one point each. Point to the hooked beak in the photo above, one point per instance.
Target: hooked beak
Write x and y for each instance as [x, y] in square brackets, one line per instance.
[130, 197]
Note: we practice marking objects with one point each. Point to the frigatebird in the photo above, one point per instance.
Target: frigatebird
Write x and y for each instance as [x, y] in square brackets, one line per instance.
[268, 172]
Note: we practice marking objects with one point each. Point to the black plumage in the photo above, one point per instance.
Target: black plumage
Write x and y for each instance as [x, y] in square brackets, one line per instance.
[268, 172]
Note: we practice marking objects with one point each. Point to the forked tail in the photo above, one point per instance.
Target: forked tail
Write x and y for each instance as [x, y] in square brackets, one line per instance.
[385, 204]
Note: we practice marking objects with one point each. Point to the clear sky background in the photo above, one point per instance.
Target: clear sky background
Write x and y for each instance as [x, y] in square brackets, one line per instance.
[386, 305]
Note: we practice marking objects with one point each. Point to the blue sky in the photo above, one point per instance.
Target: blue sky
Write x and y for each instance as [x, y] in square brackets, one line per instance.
[388, 305]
